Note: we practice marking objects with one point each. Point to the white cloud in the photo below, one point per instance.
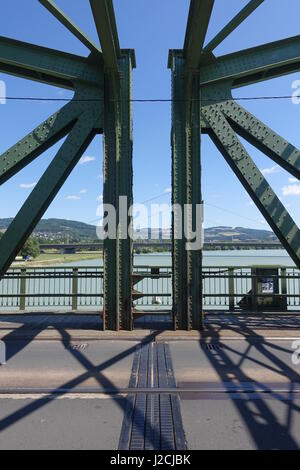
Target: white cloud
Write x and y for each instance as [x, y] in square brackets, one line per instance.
[291, 190]
[100, 198]
[168, 190]
[86, 159]
[83, 191]
[27, 185]
[271, 171]
[293, 180]
[72, 198]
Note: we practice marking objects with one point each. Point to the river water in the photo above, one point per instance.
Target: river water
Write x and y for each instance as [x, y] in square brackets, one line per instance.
[210, 258]
[57, 291]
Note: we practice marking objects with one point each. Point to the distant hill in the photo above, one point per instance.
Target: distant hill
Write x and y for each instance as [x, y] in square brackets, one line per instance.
[61, 229]
[239, 234]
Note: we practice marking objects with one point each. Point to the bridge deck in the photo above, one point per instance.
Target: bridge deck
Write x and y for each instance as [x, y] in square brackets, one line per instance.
[89, 326]
[222, 392]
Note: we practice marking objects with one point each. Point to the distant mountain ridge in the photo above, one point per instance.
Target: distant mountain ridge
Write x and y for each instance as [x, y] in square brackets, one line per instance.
[62, 229]
[51, 229]
[239, 234]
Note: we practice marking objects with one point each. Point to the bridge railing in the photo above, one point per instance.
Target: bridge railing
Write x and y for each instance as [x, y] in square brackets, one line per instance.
[79, 288]
[155, 285]
[74, 287]
[226, 287]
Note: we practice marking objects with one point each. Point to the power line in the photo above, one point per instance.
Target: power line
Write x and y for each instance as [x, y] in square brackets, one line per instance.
[232, 212]
[148, 100]
[165, 193]
[206, 204]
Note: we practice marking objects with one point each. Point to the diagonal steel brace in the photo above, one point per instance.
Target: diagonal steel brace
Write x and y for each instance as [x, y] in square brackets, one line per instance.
[253, 181]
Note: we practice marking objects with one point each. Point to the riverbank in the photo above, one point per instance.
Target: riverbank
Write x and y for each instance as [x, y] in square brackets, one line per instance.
[210, 258]
[54, 259]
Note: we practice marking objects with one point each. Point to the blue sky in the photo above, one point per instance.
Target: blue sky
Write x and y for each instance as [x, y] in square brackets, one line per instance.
[152, 28]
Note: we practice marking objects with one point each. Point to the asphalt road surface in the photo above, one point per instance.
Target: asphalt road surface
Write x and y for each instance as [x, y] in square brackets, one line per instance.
[67, 423]
[239, 394]
[234, 394]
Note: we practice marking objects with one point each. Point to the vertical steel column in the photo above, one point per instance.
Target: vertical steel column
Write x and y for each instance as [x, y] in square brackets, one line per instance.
[110, 196]
[118, 192]
[194, 199]
[125, 180]
[178, 193]
[186, 171]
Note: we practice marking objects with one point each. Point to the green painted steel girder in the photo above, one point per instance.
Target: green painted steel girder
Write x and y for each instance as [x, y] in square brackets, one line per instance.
[125, 188]
[110, 196]
[194, 199]
[48, 187]
[202, 103]
[232, 25]
[186, 195]
[199, 16]
[262, 137]
[38, 141]
[47, 65]
[70, 25]
[117, 184]
[198, 20]
[179, 257]
[101, 104]
[220, 111]
[253, 181]
[107, 32]
[253, 65]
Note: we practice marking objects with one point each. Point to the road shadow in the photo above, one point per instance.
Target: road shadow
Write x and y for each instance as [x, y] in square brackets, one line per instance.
[264, 427]
[91, 371]
[30, 326]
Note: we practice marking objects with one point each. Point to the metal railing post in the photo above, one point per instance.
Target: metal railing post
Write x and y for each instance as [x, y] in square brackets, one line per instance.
[284, 299]
[231, 289]
[283, 281]
[75, 289]
[254, 290]
[23, 289]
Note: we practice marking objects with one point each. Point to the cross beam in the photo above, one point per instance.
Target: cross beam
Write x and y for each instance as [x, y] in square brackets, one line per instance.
[232, 25]
[199, 16]
[198, 20]
[47, 65]
[70, 25]
[107, 32]
[256, 64]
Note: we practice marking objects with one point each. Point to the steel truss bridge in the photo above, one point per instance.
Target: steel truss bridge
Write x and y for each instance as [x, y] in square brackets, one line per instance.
[202, 85]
